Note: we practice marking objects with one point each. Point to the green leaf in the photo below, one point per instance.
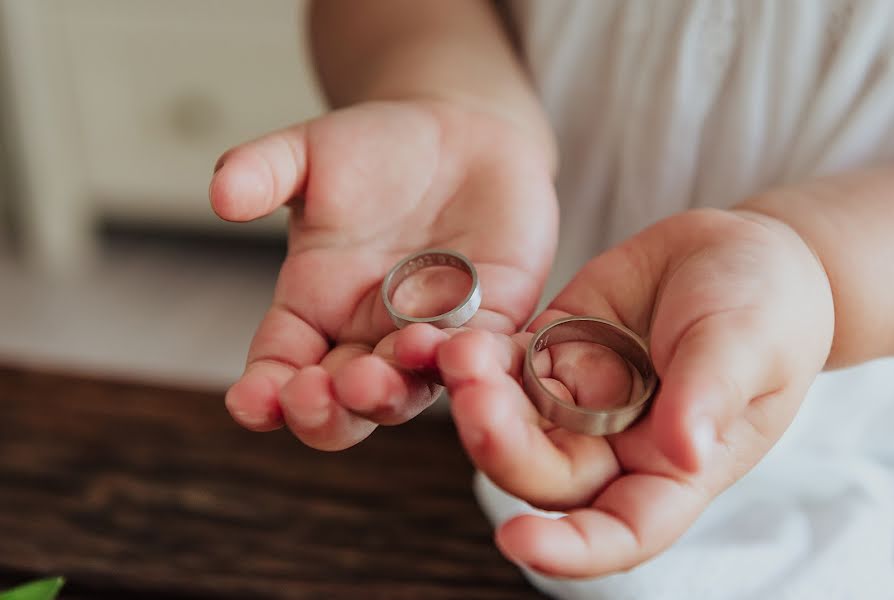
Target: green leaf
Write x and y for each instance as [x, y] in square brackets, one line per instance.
[43, 589]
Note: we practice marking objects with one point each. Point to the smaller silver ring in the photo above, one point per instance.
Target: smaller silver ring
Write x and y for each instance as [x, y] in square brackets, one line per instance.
[575, 418]
[455, 317]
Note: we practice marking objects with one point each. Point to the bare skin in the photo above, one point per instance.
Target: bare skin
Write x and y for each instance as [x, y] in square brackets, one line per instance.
[720, 295]
[443, 144]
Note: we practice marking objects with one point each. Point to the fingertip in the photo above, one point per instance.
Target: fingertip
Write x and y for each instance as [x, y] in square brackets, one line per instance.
[512, 539]
[252, 402]
[307, 400]
[314, 417]
[416, 346]
[548, 546]
[466, 356]
[239, 191]
[362, 384]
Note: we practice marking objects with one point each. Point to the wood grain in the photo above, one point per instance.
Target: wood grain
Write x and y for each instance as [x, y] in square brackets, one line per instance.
[139, 492]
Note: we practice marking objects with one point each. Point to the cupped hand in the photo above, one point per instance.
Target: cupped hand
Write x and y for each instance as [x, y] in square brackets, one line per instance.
[368, 185]
[738, 313]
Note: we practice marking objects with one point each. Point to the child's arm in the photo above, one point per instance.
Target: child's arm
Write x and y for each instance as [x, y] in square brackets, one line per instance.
[458, 51]
[440, 144]
[848, 221]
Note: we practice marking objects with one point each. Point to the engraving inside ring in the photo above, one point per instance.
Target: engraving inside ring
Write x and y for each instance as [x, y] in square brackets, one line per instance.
[586, 374]
[430, 285]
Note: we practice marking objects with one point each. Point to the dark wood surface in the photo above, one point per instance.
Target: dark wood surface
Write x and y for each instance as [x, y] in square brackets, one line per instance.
[138, 492]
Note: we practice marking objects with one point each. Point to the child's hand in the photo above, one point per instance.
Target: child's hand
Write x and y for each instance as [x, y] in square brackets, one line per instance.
[372, 184]
[739, 317]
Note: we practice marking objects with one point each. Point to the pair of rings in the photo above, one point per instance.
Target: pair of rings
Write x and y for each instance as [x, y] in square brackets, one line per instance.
[572, 417]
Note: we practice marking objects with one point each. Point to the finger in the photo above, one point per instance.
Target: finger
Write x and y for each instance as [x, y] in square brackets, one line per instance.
[368, 386]
[254, 179]
[595, 376]
[633, 519]
[314, 417]
[311, 411]
[502, 433]
[719, 365]
[252, 400]
[471, 355]
[283, 344]
[375, 387]
[416, 346]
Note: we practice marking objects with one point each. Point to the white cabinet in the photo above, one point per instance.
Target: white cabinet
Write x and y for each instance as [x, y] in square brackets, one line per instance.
[122, 106]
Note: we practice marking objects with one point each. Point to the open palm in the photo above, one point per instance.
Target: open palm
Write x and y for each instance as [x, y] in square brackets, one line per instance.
[739, 317]
[367, 186]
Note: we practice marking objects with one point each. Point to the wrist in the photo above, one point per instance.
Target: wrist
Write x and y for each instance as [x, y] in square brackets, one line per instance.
[769, 210]
[457, 53]
[758, 210]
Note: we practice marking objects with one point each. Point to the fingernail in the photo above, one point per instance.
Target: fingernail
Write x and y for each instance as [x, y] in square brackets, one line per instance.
[704, 436]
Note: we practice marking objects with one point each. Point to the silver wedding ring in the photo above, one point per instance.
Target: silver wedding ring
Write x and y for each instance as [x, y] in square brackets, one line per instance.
[457, 316]
[575, 418]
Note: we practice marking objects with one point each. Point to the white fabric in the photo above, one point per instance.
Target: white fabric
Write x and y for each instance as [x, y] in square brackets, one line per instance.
[666, 105]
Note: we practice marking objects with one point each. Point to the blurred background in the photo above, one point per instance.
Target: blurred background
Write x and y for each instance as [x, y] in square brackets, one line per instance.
[112, 115]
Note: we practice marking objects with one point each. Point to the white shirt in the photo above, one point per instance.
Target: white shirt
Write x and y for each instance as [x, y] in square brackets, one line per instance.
[664, 105]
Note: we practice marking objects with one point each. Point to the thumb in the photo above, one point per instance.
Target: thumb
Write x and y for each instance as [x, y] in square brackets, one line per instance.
[720, 364]
[252, 180]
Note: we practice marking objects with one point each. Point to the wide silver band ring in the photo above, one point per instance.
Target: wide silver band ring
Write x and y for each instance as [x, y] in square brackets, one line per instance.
[456, 317]
[575, 418]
